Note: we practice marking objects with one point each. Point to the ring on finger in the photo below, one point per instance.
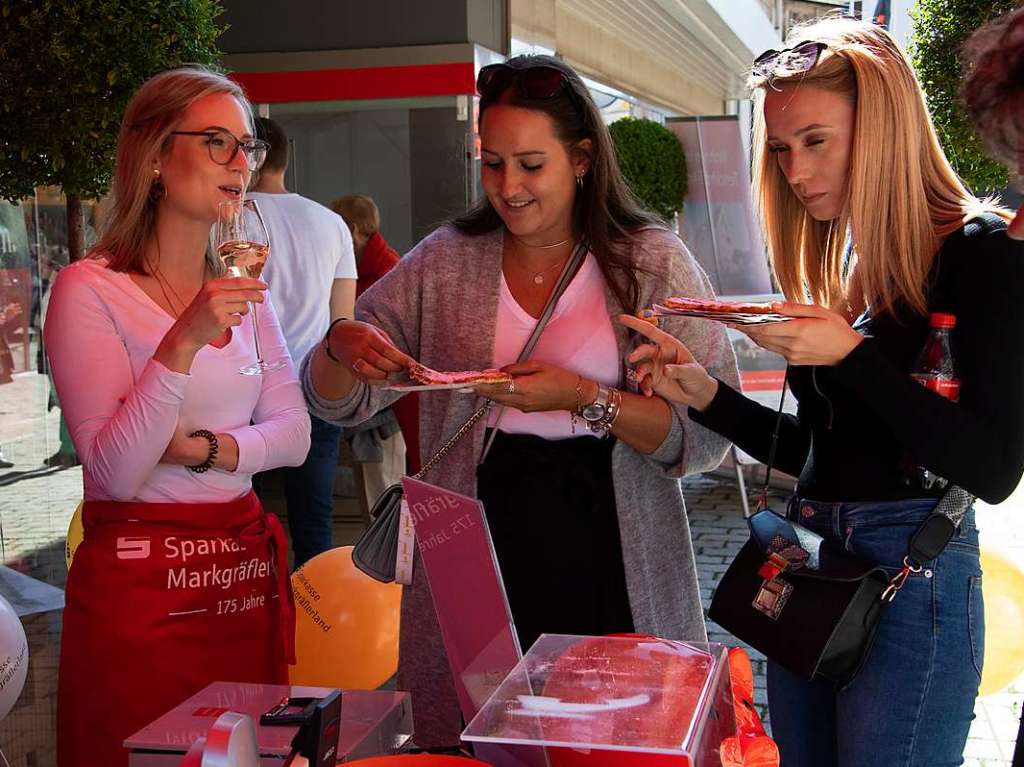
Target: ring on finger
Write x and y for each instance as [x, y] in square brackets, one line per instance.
[512, 386]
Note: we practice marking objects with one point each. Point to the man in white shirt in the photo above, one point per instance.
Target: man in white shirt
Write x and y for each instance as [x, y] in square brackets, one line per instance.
[311, 272]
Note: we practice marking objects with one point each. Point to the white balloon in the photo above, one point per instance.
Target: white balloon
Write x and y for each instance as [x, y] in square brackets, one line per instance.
[13, 657]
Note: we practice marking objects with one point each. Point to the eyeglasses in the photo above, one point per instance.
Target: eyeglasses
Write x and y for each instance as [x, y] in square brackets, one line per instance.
[223, 147]
[799, 58]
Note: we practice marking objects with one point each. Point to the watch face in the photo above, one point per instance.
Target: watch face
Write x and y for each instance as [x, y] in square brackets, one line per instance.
[594, 411]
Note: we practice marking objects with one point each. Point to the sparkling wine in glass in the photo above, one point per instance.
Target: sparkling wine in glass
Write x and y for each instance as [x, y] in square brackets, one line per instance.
[243, 243]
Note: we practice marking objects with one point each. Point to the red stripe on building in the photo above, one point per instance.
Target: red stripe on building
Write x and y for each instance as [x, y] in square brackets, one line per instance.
[361, 83]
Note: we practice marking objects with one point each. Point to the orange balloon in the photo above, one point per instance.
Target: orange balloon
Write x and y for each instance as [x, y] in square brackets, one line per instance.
[75, 534]
[1003, 589]
[346, 624]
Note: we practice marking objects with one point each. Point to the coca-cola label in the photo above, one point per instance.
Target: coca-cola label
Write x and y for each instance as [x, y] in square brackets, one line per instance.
[946, 387]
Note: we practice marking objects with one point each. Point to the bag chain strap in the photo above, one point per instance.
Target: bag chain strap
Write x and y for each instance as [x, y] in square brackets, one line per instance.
[762, 501]
[469, 424]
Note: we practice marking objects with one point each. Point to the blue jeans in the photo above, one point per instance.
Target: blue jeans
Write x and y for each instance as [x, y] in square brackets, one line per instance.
[913, 702]
[309, 491]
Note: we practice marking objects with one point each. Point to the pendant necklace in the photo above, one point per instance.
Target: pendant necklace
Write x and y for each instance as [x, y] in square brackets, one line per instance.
[538, 277]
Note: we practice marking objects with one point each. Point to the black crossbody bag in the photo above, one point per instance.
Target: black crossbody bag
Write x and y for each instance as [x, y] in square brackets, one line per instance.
[808, 605]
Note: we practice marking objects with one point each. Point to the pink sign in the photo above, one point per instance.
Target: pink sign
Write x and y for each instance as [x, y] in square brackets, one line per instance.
[718, 219]
[469, 597]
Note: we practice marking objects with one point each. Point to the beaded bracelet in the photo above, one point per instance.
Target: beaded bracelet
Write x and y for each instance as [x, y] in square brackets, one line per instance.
[210, 437]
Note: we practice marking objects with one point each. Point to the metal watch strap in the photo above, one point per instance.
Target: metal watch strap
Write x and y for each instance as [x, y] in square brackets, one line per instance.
[603, 399]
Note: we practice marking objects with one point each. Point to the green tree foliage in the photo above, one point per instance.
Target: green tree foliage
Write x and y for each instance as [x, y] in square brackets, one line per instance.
[940, 29]
[653, 163]
[67, 71]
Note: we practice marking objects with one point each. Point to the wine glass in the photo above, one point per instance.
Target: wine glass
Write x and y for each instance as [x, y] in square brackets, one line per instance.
[243, 243]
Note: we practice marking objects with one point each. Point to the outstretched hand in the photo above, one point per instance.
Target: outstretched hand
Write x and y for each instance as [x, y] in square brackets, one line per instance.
[667, 368]
[367, 351]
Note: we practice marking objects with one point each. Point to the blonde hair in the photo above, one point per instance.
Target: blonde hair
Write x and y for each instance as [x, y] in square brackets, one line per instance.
[358, 210]
[903, 197]
[150, 117]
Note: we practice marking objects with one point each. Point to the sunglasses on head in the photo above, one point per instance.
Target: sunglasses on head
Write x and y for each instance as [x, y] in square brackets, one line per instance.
[799, 58]
[539, 81]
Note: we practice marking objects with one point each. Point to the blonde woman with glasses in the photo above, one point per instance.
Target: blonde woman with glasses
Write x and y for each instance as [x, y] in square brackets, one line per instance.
[869, 230]
[181, 578]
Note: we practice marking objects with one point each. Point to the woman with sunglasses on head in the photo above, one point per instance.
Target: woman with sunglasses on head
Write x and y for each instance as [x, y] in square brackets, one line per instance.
[590, 532]
[845, 153]
[181, 578]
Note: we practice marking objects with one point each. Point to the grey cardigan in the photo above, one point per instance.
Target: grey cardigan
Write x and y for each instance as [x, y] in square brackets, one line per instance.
[439, 305]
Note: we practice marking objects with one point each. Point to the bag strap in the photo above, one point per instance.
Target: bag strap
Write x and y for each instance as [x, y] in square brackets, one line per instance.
[762, 501]
[568, 270]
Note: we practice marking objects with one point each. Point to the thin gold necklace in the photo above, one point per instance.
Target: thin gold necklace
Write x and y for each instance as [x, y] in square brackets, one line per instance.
[542, 247]
[161, 280]
[538, 277]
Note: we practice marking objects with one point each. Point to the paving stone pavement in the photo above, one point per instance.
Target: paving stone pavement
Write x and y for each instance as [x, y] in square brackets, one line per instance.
[36, 505]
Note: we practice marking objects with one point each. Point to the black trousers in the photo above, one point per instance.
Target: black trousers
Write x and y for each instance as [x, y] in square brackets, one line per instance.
[550, 506]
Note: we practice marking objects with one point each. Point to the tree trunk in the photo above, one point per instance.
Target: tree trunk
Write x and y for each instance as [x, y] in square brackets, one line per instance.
[76, 233]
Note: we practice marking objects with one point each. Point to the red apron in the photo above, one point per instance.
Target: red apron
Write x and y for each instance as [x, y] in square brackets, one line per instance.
[162, 599]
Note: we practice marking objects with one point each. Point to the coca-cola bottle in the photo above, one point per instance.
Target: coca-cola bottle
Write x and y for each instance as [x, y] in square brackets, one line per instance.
[935, 369]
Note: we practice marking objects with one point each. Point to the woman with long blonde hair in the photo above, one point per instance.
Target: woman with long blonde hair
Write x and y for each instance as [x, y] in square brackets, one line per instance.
[870, 232]
[181, 578]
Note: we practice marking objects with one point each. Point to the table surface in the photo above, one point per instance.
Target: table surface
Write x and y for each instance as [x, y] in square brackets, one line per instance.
[362, 711]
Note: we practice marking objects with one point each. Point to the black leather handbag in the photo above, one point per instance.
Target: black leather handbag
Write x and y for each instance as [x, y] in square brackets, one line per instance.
[808, 605]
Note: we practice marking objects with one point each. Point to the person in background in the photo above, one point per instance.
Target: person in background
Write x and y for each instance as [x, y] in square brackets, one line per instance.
[181, 578]
[312, 277]
[7, 314]
[376, 444]
[847, 161]
[993, 92]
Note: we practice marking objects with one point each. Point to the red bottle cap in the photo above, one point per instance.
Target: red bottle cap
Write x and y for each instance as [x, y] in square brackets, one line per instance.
[940, 320]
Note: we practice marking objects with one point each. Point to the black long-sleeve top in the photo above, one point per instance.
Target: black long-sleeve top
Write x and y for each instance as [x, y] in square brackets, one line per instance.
[862, 423]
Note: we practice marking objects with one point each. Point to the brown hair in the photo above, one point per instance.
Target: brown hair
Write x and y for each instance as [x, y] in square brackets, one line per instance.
[273, 134]
[993, 86]
[358, 210]
[903, 196]
[150, 117]
[605, 212]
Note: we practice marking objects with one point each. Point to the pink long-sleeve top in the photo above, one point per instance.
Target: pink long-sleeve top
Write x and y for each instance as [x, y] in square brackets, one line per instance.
[122, 407]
